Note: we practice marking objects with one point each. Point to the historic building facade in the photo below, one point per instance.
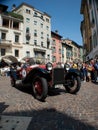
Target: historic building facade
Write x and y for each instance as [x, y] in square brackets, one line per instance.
[56, 47]
[74, 52]
[11, 33]
[66, 52]
[89, 28]
[25, 32]
[36, 32]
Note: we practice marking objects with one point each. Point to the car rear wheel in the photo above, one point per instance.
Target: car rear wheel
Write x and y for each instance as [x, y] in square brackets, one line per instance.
[40, 88]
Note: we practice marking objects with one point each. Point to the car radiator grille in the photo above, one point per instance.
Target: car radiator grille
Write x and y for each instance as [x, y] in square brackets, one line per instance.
[58, 76]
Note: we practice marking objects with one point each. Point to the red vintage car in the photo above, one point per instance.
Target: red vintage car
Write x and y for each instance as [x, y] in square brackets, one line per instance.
[43, 77]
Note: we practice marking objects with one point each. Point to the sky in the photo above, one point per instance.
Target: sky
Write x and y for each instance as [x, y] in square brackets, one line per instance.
[65, 15]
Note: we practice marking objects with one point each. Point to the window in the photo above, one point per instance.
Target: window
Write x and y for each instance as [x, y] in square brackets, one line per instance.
[3, 36]
[54, 59]
[35, 13]
[27, 30]
[59, 51]
[68, 53]
[41, 25]
[48, 43]
[41, 35]
[27, 35]
[47, 20]
[27, 20]
[35, 42]
[28, 11]
[42, 16]
[27, 38]
[47, 35]
[35, 22]
[35, 33]
[3, 51]
[16, 25]
[27, 53]
[54, 50]
[16, 53]
[5, 23]
[47, 27]
[53, 42]
[41, 44]
[16, 38]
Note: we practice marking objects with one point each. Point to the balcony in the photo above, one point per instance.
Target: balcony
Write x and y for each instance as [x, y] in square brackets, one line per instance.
[39, 50]
[6, 43]
[15, 15]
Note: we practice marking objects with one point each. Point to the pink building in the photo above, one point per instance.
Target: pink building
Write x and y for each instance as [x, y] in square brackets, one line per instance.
[56, 47]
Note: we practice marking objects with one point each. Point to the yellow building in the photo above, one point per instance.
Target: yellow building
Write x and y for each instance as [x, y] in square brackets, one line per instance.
[75, 51]
[85, 28]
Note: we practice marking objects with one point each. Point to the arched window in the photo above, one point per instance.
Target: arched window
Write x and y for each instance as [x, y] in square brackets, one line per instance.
[27, 30]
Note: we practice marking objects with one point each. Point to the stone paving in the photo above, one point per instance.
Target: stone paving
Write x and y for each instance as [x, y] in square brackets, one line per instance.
[60, 111]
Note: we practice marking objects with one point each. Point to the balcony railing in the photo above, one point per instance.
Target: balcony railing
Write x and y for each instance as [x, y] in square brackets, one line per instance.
[6, 42]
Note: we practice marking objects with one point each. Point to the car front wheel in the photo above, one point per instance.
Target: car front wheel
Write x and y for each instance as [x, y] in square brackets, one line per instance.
[40, 88]
[73, 84]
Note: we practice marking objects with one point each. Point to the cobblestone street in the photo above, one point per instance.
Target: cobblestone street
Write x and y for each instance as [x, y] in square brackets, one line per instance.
[60, 111]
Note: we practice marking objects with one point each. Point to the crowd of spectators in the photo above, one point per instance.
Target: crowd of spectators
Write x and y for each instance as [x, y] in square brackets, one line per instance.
[88, 70]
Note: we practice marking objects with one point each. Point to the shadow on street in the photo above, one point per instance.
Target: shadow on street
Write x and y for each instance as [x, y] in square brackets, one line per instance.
[51, 91]
[49, 119]
[3, 106]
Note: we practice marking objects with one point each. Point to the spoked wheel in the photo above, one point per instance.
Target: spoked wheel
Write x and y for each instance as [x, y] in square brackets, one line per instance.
[40, 88]
[73, 84]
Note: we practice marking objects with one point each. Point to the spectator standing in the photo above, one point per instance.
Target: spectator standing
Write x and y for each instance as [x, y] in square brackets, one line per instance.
[89, 69]
[96, 69]
[84, 72]
[92, 62]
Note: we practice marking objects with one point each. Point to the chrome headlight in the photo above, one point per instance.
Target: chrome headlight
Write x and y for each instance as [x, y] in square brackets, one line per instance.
[49, 66]
[67, 67]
